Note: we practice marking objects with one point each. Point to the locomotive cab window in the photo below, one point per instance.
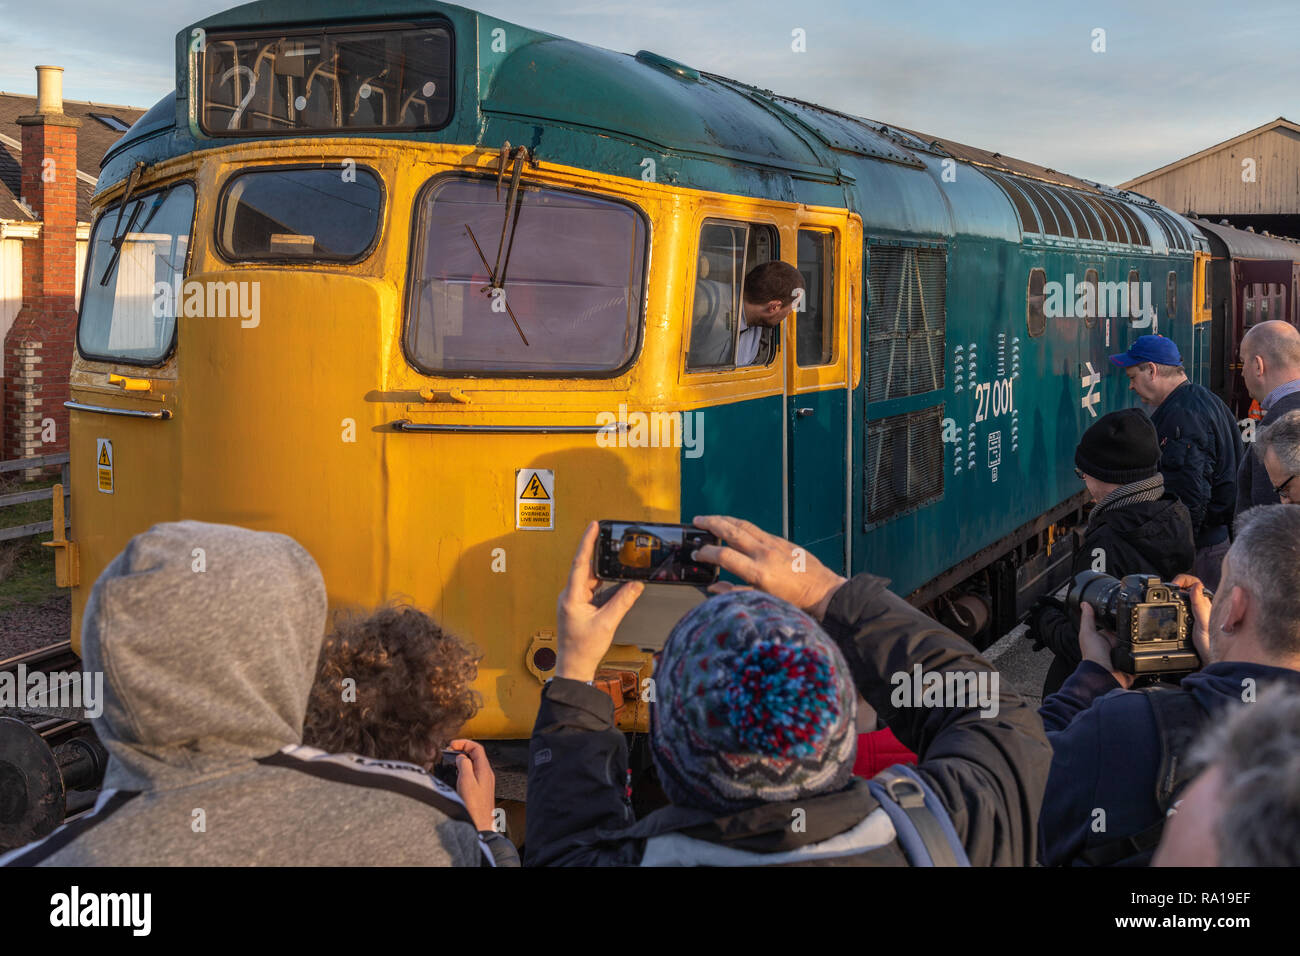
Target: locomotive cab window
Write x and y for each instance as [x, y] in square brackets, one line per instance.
[135, 266]
[1036, 317]
[299, 214]
[719, 338]
[815, 320]
[559, 292]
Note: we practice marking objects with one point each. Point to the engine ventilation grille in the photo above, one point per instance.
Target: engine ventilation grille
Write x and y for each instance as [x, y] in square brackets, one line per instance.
[904, 463]
[907, 320]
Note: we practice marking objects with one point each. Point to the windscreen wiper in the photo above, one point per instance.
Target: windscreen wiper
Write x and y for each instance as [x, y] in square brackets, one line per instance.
[493, 285]
[497, 273]
[119, 238]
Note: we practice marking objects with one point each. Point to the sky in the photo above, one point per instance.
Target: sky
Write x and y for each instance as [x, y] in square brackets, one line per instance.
[1020, 78]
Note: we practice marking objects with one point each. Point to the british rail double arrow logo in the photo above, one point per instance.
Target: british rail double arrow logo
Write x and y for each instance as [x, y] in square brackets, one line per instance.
[1091, 396]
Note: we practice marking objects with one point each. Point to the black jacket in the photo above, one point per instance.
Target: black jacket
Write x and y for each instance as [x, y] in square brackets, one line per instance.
[989, 771]
[1145, 537]
[1200, 452]
[1253, 486]
[1106, 752]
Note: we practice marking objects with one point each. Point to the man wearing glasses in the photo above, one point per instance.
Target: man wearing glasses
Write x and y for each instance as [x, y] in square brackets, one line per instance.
[1278, 447]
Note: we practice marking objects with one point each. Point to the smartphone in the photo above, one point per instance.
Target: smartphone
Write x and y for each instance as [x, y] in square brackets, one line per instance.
[657, 553]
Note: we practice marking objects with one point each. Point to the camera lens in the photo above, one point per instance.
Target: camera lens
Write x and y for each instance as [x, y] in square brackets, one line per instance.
[1097, 590]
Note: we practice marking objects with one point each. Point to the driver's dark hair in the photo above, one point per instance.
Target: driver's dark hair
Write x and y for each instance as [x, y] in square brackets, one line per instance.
[769, 281]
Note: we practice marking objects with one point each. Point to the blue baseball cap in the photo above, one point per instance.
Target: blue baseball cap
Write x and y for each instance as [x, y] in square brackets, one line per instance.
[1149, 348]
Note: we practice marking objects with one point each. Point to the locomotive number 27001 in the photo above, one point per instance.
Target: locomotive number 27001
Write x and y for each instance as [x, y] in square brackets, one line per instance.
[995, 398]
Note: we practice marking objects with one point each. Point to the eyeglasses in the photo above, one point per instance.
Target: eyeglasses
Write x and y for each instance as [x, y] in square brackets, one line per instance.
[1081, 475]
[1280, 490]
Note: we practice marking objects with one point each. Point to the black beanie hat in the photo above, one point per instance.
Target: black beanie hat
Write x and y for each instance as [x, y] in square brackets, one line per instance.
[1119, 448]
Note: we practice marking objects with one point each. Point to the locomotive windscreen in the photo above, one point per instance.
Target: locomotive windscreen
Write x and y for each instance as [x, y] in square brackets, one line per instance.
[353, 78]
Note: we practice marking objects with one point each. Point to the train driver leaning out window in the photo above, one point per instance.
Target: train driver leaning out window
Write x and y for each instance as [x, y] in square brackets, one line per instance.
[768, 298]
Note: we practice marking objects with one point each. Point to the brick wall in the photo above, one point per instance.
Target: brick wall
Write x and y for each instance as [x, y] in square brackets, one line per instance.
[38, 347]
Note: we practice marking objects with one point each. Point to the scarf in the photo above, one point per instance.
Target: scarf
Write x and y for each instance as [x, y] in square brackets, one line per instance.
[1148, 489]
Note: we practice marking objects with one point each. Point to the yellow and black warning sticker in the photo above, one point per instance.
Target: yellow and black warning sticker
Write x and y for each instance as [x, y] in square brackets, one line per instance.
[534, 499]
[104, 465]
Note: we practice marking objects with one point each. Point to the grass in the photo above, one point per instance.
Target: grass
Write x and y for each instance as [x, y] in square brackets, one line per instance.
[26, 569]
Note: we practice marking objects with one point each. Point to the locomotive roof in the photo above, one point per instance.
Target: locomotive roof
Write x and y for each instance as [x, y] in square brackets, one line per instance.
[713, 132]
[646, 96]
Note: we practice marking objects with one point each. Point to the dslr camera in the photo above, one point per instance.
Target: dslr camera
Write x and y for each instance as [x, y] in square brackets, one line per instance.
[1153, 621]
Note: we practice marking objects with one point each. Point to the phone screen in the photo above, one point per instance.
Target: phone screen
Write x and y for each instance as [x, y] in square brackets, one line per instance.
[658, 553]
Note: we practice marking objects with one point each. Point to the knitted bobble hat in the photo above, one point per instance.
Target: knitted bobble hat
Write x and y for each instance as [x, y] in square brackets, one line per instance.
[754, 704]
[1120, 447]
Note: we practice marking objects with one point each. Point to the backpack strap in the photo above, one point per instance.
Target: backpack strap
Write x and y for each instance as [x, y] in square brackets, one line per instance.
[924, 829]
[1178, 718]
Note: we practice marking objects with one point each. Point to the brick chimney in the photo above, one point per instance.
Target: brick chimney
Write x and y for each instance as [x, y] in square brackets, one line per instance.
[38, 347]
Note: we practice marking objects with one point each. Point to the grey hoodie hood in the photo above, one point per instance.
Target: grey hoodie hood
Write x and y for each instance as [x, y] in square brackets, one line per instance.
[208, 637]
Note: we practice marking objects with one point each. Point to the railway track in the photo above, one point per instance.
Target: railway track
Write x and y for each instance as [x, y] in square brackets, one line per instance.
[55, 657]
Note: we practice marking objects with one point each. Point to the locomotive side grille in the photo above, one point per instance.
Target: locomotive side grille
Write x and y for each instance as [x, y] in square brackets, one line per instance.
[907, 321]
[904, 462]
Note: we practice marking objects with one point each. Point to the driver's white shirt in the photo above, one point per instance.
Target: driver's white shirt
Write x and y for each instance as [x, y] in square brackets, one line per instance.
[748, 342]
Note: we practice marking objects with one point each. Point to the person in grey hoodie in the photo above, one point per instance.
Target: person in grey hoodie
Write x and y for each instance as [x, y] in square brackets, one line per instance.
[208, 637]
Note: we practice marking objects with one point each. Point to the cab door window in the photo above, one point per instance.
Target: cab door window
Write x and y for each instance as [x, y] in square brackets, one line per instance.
[814, 322]
[718, 335]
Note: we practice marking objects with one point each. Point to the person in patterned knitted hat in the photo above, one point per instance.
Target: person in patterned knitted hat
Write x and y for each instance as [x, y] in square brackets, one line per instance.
[754, 705]
[1137, 526]
[752, 728]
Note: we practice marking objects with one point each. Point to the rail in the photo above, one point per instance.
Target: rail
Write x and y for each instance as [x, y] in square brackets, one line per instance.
[55, 657]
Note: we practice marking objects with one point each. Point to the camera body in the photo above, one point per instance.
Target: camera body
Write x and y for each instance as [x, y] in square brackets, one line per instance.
[1153, 621]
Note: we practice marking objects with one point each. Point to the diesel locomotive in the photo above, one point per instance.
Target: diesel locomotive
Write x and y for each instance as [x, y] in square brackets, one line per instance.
[381, 280]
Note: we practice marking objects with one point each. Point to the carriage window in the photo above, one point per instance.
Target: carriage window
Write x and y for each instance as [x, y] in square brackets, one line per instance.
[1090, 307]
[336, 78]
[728, 250]
[1171, 294]
[1036, 312]
[286, 214]
[136, 265]
[815, 322]
[570, 272]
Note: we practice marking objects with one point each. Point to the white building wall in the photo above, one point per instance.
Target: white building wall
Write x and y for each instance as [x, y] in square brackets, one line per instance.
[11, 283]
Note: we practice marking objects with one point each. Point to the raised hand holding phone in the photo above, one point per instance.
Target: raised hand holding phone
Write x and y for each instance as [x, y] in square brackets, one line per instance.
[772, 564]
[584, 630]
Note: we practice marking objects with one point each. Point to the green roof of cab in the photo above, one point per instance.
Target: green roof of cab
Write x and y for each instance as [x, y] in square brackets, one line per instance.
[609, 112]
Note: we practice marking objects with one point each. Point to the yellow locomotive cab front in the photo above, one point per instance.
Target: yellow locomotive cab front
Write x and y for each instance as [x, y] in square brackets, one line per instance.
[301, 409]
